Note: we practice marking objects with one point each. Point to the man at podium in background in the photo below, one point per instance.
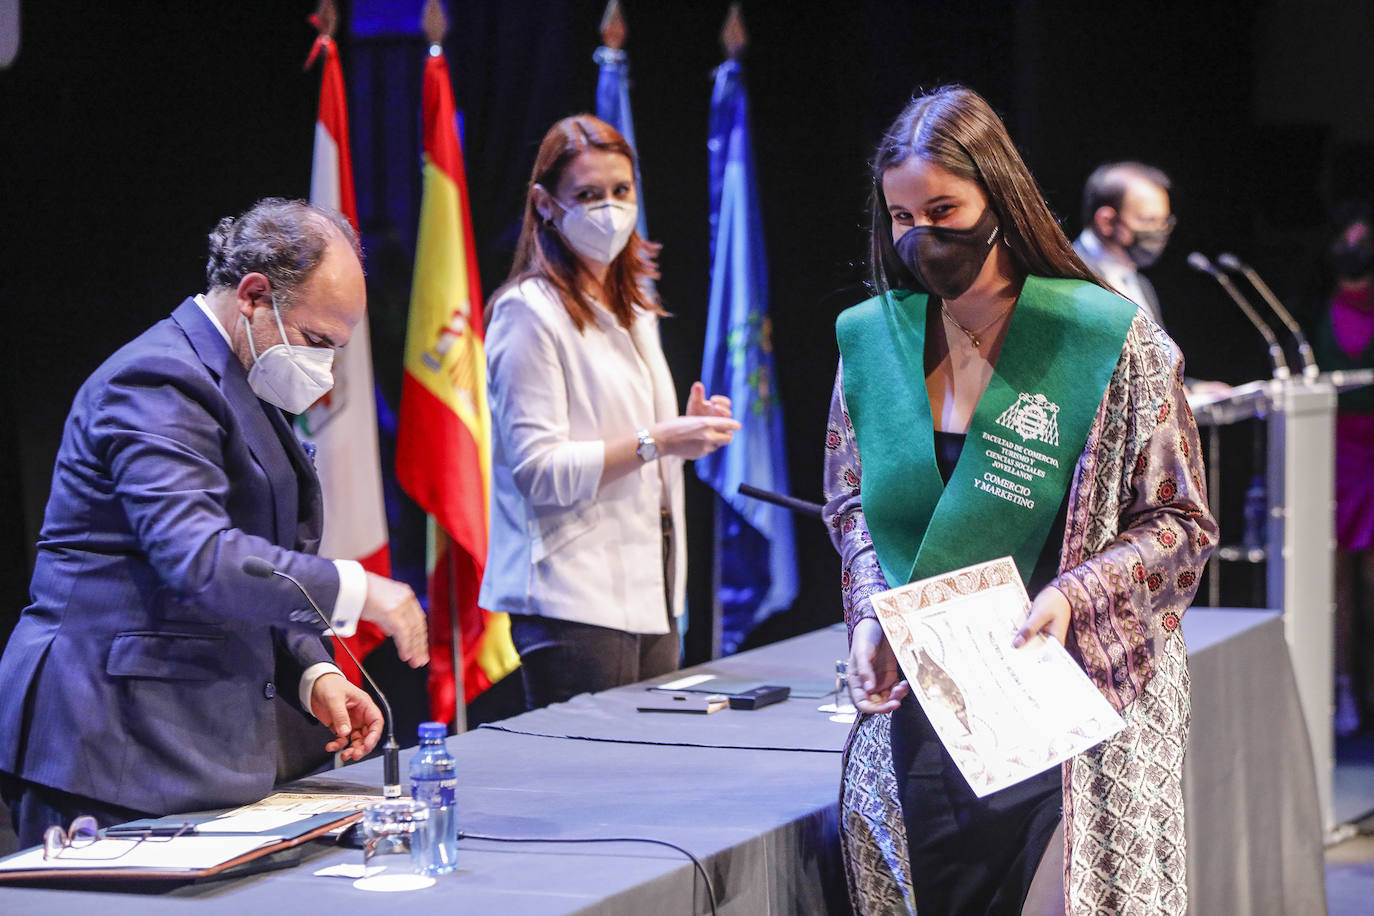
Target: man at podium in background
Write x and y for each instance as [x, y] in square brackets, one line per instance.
[145, 677]
[1127, 221]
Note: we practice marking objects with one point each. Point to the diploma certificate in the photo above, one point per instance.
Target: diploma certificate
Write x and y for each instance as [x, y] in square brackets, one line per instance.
[1003, 713]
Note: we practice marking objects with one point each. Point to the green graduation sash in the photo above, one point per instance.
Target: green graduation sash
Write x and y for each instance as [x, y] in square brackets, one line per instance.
[1023, 442]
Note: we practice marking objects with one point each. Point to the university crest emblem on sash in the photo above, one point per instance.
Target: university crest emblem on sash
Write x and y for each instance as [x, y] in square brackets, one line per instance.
[1033, 416]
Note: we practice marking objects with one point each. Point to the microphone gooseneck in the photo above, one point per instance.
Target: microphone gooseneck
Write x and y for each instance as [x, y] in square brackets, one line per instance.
[391, 751]
[791, 503]
[1234, 264]
[1199, 262]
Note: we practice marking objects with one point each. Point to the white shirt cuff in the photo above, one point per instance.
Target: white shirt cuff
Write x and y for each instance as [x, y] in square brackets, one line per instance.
[311, 675]
[348, 606]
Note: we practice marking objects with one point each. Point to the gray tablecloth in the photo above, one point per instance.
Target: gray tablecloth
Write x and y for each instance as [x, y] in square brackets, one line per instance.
[753, 794]
[1250, 789]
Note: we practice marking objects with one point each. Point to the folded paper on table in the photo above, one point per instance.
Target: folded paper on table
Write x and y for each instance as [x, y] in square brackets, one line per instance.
[162, 853]
[809, 688]
[1003, 713]
[700, 704]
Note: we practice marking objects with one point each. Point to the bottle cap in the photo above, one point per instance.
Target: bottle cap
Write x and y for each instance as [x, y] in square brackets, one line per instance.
[433, 731]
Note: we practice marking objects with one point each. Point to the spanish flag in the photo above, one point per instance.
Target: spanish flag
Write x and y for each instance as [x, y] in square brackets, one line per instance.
[443, 449]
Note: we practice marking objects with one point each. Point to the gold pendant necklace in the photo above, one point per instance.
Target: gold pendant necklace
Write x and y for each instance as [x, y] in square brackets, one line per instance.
[975, 337]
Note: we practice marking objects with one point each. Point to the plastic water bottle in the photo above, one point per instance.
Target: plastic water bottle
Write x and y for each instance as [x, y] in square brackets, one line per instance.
[434, 781]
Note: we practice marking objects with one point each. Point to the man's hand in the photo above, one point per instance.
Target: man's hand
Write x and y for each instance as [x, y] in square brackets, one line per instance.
[392, 607]
[1049, 612]
[349, 713]
[873, 676]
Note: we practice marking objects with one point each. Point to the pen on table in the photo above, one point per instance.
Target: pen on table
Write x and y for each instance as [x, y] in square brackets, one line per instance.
[173, 830]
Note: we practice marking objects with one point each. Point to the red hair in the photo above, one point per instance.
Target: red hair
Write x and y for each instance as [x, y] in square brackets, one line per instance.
[542, 253]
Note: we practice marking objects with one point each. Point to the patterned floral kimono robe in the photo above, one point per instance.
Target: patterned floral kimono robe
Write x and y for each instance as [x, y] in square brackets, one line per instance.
[1137, 535]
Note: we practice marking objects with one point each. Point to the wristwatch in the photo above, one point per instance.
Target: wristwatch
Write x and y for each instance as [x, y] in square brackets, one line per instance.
[648, 448]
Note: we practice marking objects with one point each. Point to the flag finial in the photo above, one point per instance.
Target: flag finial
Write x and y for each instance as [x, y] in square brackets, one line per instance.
[434, 22]
[325, 19]
[613, 27]
[733, 37]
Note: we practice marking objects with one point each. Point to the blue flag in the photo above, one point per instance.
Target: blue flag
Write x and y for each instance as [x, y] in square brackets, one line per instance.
[613, 107]
[756, 549]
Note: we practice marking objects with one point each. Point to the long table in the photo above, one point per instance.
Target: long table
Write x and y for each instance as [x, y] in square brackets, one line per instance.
[753, 794]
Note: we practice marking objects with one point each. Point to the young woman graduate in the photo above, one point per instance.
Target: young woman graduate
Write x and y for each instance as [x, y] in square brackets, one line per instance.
[988, 327]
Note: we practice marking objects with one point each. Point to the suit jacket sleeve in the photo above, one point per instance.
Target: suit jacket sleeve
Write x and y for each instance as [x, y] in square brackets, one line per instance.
[163, 433]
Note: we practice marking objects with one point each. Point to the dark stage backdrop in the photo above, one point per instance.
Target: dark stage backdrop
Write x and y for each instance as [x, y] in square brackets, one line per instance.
[128, 129]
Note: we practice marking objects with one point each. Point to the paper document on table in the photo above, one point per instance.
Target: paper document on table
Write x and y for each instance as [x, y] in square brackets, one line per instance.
[281, 809]
[1004, 714]
[183, 853]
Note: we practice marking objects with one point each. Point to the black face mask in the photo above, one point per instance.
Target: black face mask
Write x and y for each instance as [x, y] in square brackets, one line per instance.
[946, 261]
[1352, 261]
[1147, 246]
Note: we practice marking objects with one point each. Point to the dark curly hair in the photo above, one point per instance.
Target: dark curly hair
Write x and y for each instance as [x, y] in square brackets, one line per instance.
[284, 240]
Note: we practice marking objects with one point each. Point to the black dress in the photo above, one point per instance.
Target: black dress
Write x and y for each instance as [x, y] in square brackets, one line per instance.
[971, 855]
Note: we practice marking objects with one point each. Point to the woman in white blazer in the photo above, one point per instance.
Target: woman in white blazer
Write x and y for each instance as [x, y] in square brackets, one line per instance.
[586, 551]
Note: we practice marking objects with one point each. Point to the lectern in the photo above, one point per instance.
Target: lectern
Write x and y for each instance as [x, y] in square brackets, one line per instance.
[1299, 536]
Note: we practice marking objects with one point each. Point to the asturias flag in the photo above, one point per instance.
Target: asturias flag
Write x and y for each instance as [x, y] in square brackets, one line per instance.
[443, 448]
[343, 424]
[757, 556]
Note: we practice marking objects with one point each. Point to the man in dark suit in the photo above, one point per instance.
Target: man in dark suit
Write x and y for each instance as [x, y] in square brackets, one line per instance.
[1127, 221]
[146, 676]
[1126, 224]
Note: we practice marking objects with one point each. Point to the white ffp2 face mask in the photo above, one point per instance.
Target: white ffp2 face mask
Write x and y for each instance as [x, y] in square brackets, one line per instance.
[599, 231]
[290, 377]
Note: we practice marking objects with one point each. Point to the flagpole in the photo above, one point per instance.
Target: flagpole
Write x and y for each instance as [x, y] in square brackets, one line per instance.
[455, 631]
[737, 361]
[435, 26]
[732, 41]
[717, 537]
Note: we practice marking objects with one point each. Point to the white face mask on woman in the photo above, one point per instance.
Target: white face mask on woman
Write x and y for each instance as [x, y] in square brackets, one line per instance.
[290, 377]
[600, 230]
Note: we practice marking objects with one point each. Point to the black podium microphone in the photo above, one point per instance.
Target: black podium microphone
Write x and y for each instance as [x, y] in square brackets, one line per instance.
[1198, 261]
[391, 751]
[1228, 261]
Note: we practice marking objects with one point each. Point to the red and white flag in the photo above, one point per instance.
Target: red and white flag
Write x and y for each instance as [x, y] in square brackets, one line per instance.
[343, 424]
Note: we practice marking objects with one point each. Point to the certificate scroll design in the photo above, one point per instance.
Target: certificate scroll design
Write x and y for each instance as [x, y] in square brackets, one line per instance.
[1003, 713]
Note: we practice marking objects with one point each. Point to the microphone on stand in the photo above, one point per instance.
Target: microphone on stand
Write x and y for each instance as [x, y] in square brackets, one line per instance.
[1198, 261]
[791, 503]
[391, 760]
[1230, 262]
